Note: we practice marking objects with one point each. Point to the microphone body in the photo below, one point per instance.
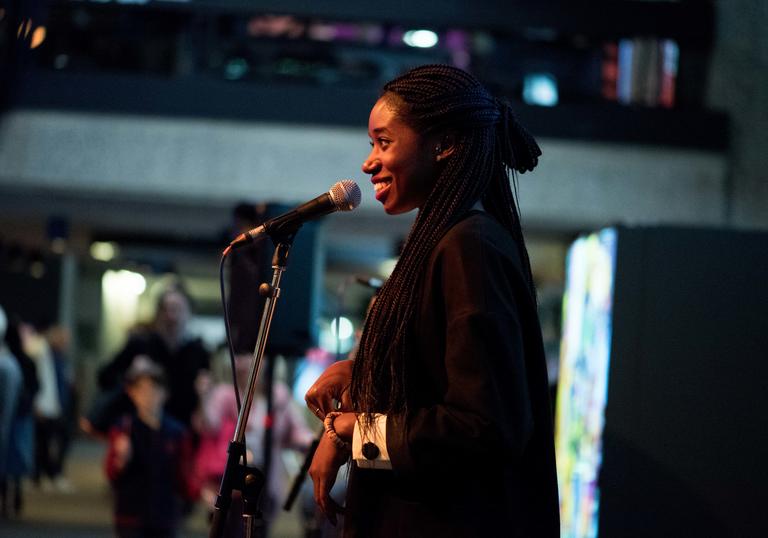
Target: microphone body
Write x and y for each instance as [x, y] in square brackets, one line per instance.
[343, 196]
[371, 282]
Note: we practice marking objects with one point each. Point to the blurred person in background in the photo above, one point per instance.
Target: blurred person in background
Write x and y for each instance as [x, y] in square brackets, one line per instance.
[58, 338]
[167, 343]
[51, 401]
[149, 459]
[20, 460]
[11, 385]
[217, 421]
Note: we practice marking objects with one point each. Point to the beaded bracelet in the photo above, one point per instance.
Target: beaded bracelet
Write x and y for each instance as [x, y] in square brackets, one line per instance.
[331, 431]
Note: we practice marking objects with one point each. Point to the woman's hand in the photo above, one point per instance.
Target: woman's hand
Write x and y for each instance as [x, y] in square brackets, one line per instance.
[325, 466]
[333, 384]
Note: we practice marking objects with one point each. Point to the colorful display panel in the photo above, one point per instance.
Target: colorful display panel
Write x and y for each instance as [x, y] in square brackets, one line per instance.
[583, 384]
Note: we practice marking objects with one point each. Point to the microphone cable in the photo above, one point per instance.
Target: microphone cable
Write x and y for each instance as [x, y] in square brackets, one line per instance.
[228, 328]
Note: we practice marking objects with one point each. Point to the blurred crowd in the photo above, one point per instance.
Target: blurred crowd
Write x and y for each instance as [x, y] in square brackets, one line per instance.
[166, 409]
[37, 409]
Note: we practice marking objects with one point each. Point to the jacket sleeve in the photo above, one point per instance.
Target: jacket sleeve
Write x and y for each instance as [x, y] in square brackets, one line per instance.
[483, 411]
[187, 479]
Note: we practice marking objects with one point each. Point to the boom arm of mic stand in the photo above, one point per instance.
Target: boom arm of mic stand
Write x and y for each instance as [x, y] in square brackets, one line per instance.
[236, 474]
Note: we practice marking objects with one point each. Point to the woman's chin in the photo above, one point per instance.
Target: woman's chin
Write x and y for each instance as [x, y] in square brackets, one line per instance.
[397, 210]
[390, 208]
[393, 204]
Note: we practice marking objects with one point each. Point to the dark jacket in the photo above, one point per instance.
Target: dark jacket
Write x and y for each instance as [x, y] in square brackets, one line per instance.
[150, 488]
[475, 454]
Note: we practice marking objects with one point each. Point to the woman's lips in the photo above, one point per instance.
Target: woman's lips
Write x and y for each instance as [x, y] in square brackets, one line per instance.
[381, 188]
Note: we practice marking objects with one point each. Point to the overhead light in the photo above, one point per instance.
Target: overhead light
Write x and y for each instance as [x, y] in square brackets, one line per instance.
[321, 31]
[125, 283]
[346, 329]
[38, 36]
[235, 69]
[540, 89]
[103, 251]
[334, 342]
[423, 39]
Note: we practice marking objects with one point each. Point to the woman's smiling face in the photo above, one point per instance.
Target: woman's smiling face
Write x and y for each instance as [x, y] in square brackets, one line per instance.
[402, 164]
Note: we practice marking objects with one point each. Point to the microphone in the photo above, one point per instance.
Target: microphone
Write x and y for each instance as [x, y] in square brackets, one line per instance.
[371, 282]
[344, 195]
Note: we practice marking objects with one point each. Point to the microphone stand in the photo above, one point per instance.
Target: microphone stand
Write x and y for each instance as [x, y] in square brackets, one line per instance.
[238, 475]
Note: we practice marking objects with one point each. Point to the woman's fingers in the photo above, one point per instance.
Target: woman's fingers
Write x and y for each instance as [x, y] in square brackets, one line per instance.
[320, 402]
[313, 402]
[330, 388]
[324, 480]
[323, 471]
[320, 398]
[324, 500]
[330, 507]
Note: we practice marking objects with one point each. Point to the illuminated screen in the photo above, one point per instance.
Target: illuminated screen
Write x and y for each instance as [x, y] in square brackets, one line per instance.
[583, 383]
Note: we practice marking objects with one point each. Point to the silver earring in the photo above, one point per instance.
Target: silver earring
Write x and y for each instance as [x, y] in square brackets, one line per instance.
[438, 149]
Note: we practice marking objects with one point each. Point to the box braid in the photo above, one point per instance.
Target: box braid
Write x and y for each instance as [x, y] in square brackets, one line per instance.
[489, 142]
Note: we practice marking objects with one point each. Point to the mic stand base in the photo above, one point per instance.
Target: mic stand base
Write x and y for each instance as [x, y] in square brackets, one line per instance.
[249, 481]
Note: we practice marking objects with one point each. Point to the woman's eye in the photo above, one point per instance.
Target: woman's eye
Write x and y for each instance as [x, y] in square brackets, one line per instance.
[381, 142]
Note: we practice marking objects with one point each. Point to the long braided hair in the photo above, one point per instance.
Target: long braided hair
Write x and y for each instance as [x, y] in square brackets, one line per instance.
[489, 145]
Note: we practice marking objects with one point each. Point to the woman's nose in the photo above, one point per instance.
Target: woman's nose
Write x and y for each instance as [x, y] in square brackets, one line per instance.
[371, 165]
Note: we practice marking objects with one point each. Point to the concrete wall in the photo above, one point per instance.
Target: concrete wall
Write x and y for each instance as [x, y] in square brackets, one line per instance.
[153, 161]
[739, 84]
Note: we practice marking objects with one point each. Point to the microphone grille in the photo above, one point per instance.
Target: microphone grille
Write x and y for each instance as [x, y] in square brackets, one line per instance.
[345, 195]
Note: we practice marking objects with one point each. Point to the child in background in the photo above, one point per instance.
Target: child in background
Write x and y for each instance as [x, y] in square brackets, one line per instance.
[149, 459]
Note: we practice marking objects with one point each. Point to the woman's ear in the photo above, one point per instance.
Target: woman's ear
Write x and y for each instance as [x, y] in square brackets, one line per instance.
[446, 146]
